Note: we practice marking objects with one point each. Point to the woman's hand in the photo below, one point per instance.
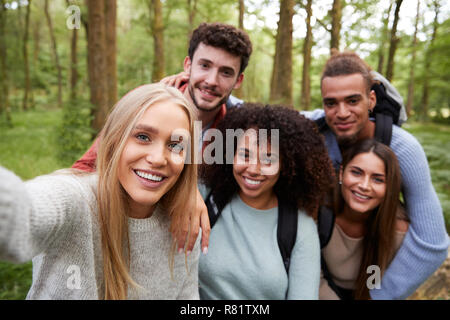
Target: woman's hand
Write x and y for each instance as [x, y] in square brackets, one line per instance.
[176, 80]
[197, 218]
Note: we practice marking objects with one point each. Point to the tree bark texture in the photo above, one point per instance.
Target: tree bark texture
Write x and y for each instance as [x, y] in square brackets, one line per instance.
[27, 84]
[394, 41]
[158, 41]
[281, 84]
[409, 101]
[4, 88]
[55, 52]
[384, 36]
[97, 62]
[110, 52]
[73, 65]
[305, 95]
[336, 17]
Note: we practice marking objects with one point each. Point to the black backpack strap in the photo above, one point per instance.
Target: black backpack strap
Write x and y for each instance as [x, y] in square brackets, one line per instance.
[383, 128]
[213, 210]
[325, 224]
[286, 230]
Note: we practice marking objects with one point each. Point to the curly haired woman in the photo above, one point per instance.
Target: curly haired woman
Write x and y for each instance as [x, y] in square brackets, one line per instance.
[243, 261]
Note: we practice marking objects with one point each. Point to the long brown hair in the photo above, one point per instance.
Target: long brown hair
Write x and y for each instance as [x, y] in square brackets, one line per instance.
[113, 199]
[378, 243]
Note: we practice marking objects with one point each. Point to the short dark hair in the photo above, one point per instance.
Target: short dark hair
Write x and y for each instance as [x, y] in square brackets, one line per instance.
[306, 172]
[224, 36]
[347, 63]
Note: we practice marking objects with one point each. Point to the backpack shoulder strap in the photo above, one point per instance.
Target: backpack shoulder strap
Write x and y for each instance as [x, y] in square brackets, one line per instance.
[383, 128]
[213, 210]
[325, 224]
[286, 230]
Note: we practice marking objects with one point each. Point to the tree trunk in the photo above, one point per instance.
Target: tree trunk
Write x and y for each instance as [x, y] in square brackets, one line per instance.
[73, 65]
[336, 17]
[4, 90]
[158, 41]
[241, 14]
[240, 91]
[27, 85]
[305, 96]
[97, 62]
[384, 36]
[281, 84]
[394, 42]
[110, 51]
[428, 58]
[410, 99]
[55, 53]
[192, 9]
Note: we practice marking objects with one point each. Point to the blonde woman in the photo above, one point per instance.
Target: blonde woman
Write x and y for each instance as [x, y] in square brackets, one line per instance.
[105, 235]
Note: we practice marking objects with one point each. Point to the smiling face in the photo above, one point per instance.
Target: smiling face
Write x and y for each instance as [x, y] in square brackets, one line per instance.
[256, 171]
[214, 73]
[364, 182]
[153, 157]
[347, 103]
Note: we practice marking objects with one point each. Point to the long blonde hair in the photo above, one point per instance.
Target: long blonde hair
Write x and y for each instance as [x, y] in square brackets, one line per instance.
[113, 199]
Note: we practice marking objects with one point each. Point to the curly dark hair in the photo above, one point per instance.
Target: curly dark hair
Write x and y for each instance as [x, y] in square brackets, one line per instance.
[306, 172]
[224, 36]
[347, 63]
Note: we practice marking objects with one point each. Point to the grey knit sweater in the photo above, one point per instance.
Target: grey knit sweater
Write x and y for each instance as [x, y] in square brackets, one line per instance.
[52, 219]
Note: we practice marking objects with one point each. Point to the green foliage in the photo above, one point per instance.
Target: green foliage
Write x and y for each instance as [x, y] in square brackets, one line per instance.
[15, 280]
[74, 134]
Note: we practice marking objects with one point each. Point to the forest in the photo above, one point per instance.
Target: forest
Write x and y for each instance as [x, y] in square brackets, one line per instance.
[64, 64]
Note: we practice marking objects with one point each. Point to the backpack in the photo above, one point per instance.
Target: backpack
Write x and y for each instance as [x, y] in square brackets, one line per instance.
[286, 228]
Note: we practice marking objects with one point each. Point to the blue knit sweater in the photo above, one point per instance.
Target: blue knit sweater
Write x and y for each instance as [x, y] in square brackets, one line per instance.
[426, 243]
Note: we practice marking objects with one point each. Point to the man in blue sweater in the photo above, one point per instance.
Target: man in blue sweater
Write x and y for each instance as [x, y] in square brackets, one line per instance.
[347, 101]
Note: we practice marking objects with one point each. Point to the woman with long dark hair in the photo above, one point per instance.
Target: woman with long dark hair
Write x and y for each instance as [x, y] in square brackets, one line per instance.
[370, 223]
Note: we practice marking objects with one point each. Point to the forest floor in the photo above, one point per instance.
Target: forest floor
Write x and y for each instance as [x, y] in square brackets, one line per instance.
[29, 148]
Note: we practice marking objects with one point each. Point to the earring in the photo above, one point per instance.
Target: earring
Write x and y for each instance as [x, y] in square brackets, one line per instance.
[340, 182]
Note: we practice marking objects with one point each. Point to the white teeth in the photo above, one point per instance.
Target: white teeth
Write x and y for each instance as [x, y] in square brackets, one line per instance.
[148, 176]
[254, 182]
[360, 195]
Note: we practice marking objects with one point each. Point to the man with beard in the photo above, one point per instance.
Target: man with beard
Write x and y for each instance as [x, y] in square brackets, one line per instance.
[347, 104]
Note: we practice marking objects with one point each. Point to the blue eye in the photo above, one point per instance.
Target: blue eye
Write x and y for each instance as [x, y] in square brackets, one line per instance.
[142, 137]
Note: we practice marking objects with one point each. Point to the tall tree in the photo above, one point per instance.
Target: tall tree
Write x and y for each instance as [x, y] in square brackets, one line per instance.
[305, 96]
[157, 24]
[73, 64]
[409, 101]
[384, 35]
[192, 10]
[281, 84]
[26, 64]
[428, 59]
[336, 17]
[97, 62]
[239, 92]
[55, 52]
[4, 86]
[110, 52]
[241, 14]
[394, 41]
